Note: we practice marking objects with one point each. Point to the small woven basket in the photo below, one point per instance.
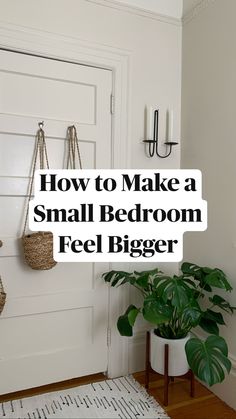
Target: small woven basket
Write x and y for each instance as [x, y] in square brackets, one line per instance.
[38, 250]
[2, 296]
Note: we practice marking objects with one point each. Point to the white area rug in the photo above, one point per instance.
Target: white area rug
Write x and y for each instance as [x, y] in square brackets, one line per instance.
[118, 398]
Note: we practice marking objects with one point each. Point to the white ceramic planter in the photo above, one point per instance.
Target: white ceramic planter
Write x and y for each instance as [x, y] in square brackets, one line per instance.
[177, 358]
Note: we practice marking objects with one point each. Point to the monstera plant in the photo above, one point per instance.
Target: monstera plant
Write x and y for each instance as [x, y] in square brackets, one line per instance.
[177, 304]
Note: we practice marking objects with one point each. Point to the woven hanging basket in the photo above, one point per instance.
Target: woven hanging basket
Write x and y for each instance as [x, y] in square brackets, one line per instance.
[2, 297]
[38, 247]
[38, 250]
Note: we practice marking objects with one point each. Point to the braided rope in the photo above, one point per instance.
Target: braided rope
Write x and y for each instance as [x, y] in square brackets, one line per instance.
[73, 147]
[41, 150]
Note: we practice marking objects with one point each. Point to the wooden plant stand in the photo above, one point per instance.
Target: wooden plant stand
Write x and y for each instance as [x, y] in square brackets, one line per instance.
[189, 375]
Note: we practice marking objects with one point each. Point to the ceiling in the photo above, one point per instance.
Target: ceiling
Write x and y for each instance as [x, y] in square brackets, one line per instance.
[172, 8]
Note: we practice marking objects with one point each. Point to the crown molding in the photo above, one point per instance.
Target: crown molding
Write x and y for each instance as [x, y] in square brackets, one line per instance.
[196, 10]
[113, 4]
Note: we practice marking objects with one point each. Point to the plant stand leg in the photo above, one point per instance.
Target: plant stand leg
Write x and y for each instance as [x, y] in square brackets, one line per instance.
[166, 376]
[147, 360]
[192, 384]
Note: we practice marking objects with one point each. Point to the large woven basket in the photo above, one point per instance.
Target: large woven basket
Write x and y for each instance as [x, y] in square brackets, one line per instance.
[2, 297]
[38, 250]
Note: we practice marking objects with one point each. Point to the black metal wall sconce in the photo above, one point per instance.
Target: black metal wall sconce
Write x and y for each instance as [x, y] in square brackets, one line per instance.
[153, 143]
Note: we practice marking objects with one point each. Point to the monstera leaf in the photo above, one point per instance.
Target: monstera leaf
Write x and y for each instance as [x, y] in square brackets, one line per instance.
[191, 269]
[141, 280]
[191, 316]
[220, 302]
[208, 277]
[116, 278]
[176, 291]
[125, 323]
[156, 311]
[217, 278]
[208, 360]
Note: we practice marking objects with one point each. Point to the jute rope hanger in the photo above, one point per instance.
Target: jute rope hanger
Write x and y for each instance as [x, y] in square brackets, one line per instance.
[38, 247]
[73, 147]
[41, 151]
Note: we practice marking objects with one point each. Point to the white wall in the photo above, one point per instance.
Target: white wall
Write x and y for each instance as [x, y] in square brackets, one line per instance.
[155, 72]
[209, 144]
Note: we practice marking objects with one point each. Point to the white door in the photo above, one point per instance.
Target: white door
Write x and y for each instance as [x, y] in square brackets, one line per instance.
[54, 325]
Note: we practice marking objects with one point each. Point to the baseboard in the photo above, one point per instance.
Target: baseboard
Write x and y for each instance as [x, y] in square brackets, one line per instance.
[226, 390]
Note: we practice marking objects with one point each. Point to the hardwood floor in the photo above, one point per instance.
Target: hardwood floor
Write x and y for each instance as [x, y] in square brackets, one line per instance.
[53, 387]
[205, 405]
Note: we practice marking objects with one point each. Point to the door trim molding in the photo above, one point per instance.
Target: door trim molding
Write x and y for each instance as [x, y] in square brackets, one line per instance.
[49, 45]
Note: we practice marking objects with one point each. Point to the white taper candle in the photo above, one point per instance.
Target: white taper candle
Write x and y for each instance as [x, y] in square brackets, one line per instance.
[171, 125]
[149, 123]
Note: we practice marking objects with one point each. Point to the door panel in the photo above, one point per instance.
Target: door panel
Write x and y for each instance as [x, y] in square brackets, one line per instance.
[15, 161]
[29, 88]
[54, 323]
[41, 282]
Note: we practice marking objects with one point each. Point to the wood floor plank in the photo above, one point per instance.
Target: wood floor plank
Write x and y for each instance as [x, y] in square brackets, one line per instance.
[189, 402]
[205, 405]
[48, 388]
[204, 409]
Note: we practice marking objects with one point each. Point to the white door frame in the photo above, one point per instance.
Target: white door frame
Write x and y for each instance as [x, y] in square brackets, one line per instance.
[50, 45]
